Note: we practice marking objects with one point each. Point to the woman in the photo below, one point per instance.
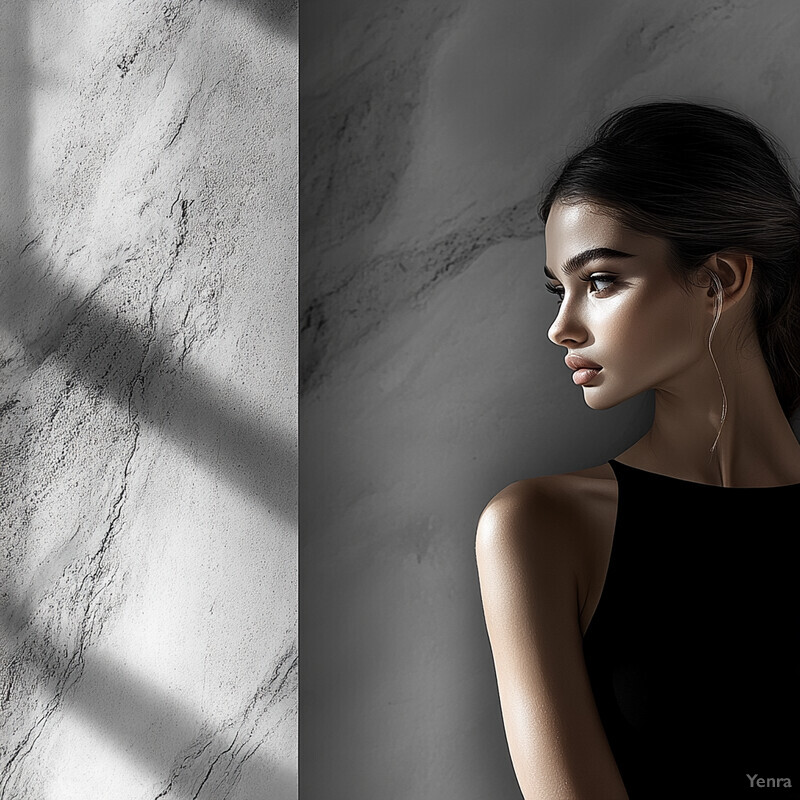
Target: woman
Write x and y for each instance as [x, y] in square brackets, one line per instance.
[641, 613]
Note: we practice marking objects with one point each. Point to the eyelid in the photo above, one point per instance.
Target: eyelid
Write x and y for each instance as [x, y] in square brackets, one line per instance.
[595, 275]
[601, 277]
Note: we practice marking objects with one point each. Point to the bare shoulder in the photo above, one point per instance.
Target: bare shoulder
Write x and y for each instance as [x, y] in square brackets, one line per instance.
[540, 564]
[551, 510]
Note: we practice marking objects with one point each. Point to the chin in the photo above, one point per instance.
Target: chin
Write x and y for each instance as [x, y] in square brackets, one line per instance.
[598, 405]
[602, 397]
[596, 398]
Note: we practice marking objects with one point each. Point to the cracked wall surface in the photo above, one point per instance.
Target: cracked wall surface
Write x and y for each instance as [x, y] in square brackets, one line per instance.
[428, 383]
[148, 430]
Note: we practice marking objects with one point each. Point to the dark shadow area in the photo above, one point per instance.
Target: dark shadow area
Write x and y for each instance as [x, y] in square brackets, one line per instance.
[279, 15]
[117, 355]
[189, 409]
[155, 721]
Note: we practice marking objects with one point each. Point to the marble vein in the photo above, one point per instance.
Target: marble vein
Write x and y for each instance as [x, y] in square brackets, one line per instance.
[211, 768]
[334, 322]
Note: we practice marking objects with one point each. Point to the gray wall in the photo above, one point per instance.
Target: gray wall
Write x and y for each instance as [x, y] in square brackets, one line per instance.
[148, 232]
[428, 383]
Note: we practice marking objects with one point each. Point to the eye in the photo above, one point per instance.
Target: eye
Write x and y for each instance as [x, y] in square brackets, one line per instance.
[558, 291]
[600, 282]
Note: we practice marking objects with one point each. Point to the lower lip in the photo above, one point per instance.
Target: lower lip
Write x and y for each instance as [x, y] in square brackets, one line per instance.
[582, 376]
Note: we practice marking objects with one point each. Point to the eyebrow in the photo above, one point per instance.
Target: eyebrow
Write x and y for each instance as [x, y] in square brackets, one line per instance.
[576, 262]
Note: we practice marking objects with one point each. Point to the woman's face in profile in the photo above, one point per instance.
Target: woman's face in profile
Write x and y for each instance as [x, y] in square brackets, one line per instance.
[626, 322]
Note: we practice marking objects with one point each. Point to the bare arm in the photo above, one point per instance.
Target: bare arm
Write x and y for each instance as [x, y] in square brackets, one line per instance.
[526, 562]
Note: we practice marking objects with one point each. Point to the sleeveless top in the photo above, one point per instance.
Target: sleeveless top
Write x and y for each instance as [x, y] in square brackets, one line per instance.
[692, 652]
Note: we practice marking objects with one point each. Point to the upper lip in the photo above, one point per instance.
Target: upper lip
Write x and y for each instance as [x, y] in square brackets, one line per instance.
[576, 362]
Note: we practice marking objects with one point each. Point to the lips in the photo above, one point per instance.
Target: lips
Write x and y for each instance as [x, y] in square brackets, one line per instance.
[584, 370]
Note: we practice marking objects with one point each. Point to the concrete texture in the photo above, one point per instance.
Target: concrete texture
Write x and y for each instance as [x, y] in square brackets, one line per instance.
[148, 595]
[428, 382]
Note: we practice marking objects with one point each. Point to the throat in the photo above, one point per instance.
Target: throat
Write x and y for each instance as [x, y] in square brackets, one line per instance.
[751, 444]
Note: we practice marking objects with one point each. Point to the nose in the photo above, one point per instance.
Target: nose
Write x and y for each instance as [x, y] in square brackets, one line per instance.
[567, 329]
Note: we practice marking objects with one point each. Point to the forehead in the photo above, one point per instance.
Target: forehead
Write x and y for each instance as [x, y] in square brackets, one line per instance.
[576, 227]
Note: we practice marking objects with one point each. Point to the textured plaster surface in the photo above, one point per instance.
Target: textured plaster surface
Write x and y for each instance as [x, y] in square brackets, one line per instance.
[148, 400]
[428, 381]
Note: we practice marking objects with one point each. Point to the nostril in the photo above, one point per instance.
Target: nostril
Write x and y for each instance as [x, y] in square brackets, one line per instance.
[567, 329]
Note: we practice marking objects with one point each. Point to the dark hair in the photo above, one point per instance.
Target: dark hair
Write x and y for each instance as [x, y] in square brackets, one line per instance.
[708, 180]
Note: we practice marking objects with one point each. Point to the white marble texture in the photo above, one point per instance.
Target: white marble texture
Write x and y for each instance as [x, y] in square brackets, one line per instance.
[148, 593]
[428, 381]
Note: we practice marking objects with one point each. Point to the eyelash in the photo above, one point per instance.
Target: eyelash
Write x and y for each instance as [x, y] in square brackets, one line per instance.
[595, 277]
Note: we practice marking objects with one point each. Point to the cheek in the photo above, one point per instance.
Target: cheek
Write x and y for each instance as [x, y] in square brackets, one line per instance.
[659, 331]
[681, 323]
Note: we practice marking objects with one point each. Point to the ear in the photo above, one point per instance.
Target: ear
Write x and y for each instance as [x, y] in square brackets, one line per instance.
[734, 271]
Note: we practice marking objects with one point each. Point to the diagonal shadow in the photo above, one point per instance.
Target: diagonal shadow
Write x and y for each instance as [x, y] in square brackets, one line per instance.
[155, 722]
[279, 15]
[105, 353]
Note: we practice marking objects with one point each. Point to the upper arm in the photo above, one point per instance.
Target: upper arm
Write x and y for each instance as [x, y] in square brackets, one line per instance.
[526, 562]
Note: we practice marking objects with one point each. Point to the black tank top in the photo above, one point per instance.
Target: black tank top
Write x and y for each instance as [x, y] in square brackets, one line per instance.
[692, 651]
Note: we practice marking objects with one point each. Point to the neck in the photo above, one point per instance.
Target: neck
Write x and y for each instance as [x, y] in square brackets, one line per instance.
[754, 447]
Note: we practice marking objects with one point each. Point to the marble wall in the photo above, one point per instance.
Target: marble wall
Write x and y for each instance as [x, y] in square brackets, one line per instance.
[148, 401]
[428, 128]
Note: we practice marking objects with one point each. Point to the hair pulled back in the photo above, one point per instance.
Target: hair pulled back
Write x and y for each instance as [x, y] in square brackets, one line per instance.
[708, 180]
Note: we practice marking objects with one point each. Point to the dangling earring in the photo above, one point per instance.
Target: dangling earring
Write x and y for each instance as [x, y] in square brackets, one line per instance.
[718, 300]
